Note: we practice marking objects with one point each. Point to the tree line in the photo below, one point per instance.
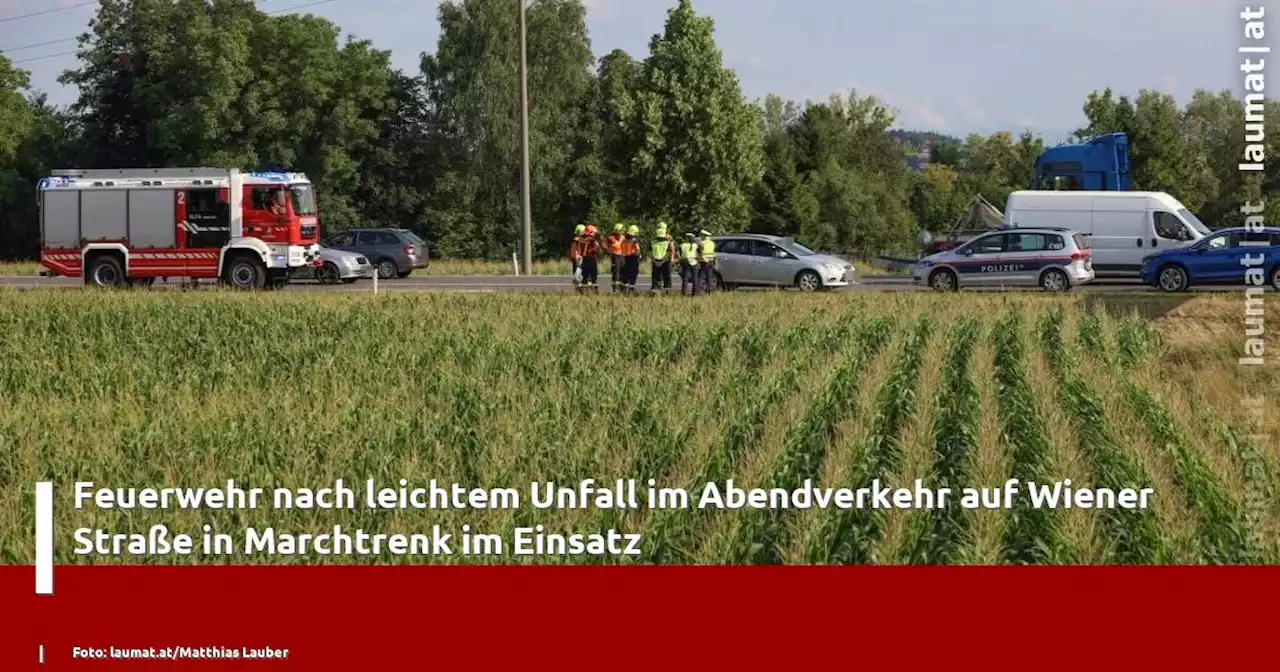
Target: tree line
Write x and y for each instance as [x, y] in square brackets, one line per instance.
[669, 136]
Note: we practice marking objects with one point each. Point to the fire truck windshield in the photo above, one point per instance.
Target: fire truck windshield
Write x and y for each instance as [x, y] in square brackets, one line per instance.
[304, 199]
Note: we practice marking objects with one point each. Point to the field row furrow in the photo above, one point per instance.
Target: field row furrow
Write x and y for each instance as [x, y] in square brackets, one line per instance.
[939, 539]
[846, 535]
[760, 535]
[1133, 535]
[668, 532]
[1032, 535]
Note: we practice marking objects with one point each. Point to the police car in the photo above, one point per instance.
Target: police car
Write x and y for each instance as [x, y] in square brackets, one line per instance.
[1054, 259]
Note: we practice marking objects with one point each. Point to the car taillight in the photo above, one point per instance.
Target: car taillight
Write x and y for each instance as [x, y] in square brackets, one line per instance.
[409, 250]
[1080, 256]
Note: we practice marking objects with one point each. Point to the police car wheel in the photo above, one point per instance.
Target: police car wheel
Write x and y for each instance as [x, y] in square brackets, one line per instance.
[1054, 280]
[943, 281]
[1172, 279]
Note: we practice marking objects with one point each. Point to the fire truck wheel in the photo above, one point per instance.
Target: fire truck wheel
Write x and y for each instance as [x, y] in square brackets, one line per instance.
[105, 271]
[246, 273]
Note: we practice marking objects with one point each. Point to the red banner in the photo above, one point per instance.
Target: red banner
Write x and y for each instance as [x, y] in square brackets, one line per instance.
[406, 618]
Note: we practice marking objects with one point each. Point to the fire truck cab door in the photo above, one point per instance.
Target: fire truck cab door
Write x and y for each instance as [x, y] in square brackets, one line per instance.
[208, 218]
[264, 212]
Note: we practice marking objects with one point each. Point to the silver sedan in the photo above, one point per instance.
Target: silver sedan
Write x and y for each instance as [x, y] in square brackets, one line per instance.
[757, 260]
[337, 266]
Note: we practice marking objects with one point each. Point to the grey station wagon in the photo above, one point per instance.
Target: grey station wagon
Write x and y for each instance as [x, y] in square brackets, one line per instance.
[395, 253]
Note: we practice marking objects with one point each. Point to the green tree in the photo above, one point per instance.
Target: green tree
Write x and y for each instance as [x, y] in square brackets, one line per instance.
[166, 83]
[696, 142]
[473, 93]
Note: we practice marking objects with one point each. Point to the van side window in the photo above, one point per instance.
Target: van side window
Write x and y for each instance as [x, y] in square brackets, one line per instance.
[1169, 227]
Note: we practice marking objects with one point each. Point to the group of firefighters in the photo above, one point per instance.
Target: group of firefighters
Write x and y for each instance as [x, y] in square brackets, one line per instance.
[696, 258]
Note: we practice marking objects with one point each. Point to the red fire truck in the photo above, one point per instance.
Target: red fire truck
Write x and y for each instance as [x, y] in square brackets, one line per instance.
[129, 227]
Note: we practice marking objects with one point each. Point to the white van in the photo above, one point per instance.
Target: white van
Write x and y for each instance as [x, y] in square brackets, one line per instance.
[1123, 226]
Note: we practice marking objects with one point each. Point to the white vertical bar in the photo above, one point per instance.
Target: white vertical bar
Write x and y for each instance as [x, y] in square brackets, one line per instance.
[42, 654]
[44, 538]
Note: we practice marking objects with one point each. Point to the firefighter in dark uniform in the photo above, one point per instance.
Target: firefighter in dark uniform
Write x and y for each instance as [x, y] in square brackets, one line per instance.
[587, 253]
[613, 243]
[631, 259]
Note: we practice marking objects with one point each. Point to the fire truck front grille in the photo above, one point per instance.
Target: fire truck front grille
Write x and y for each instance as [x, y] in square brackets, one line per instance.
[308, 232]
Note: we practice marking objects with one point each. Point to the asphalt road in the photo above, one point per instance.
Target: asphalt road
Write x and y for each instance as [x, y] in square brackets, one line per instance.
[544, 284]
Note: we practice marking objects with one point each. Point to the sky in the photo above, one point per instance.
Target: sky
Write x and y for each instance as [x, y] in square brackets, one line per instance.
[954, 66]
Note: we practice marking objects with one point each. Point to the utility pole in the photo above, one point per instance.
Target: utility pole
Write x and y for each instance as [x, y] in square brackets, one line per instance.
[526, 229]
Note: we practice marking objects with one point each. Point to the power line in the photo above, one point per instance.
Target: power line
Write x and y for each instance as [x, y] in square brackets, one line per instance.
[47, 11]
[38, 44]
[24, 47]
[72, 53]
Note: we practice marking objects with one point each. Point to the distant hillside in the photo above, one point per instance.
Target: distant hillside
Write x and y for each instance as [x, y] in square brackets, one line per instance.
[917, 140]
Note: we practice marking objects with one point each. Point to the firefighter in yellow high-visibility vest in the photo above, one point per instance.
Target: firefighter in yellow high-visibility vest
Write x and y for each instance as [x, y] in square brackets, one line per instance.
[664, 257]
[707, 261]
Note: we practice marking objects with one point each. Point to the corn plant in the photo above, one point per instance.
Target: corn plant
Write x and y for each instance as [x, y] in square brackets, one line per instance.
[943, 533]
[1137, 341]
[1032, 535]
[1133, 534]
[761, 535]
[1092, 335]
[847, 535]
[667, 535]
[1223, 534]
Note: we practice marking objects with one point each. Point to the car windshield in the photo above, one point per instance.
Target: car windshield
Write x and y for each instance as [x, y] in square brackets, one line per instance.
[304, 199]
[1194, 222]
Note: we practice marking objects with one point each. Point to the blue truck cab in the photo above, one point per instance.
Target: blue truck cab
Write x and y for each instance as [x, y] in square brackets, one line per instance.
[1101, 164]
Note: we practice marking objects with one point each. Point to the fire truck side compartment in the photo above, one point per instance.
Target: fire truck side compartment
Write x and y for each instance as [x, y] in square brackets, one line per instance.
[152, 218]
[61, 219]
[105, 215]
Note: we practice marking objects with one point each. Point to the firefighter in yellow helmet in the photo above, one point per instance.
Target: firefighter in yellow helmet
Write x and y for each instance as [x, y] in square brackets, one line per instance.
[630, 259]
[707, 261]
[613, 243]
[578, 232]
[664, 257]
[587, 252]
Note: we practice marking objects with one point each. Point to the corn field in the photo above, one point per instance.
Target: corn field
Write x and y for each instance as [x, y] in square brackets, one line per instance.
[137, 389]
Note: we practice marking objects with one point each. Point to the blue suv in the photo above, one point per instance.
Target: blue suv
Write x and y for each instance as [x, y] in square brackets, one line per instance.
[1222, 258]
